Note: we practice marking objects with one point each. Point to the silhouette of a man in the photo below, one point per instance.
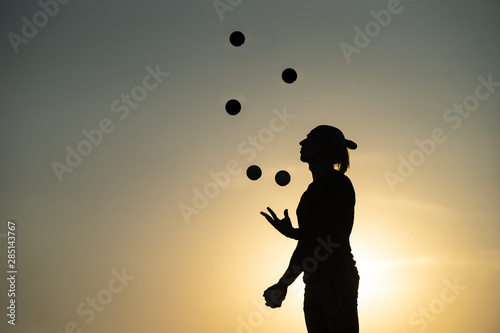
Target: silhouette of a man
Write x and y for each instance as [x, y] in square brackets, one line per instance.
[325, 217]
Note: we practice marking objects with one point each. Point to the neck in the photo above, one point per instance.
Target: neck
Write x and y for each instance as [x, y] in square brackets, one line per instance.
[319, 169]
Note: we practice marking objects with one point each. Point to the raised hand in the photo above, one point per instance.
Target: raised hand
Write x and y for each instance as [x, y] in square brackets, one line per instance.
[284, 225]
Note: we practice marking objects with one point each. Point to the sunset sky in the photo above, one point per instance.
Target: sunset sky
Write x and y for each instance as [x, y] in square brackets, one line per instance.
[126, 179]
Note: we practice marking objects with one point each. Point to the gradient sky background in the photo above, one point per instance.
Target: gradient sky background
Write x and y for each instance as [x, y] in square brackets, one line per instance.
[119, 208]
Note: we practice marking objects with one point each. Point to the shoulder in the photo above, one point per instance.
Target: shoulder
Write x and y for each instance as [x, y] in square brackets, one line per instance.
[339, 179]
[340, 186]
[334, 185]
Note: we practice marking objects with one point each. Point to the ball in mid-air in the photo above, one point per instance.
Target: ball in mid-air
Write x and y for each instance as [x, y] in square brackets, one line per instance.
[282, 178]
[289, 75]
[233, 107]
[254, 172]
[237, 38]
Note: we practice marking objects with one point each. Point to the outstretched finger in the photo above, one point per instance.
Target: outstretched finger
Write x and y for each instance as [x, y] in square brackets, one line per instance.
[286, 214]
[272, 213]
[269, 219]
[266, 216]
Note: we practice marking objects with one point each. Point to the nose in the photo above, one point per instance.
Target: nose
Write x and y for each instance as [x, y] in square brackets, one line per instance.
[302, 142]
